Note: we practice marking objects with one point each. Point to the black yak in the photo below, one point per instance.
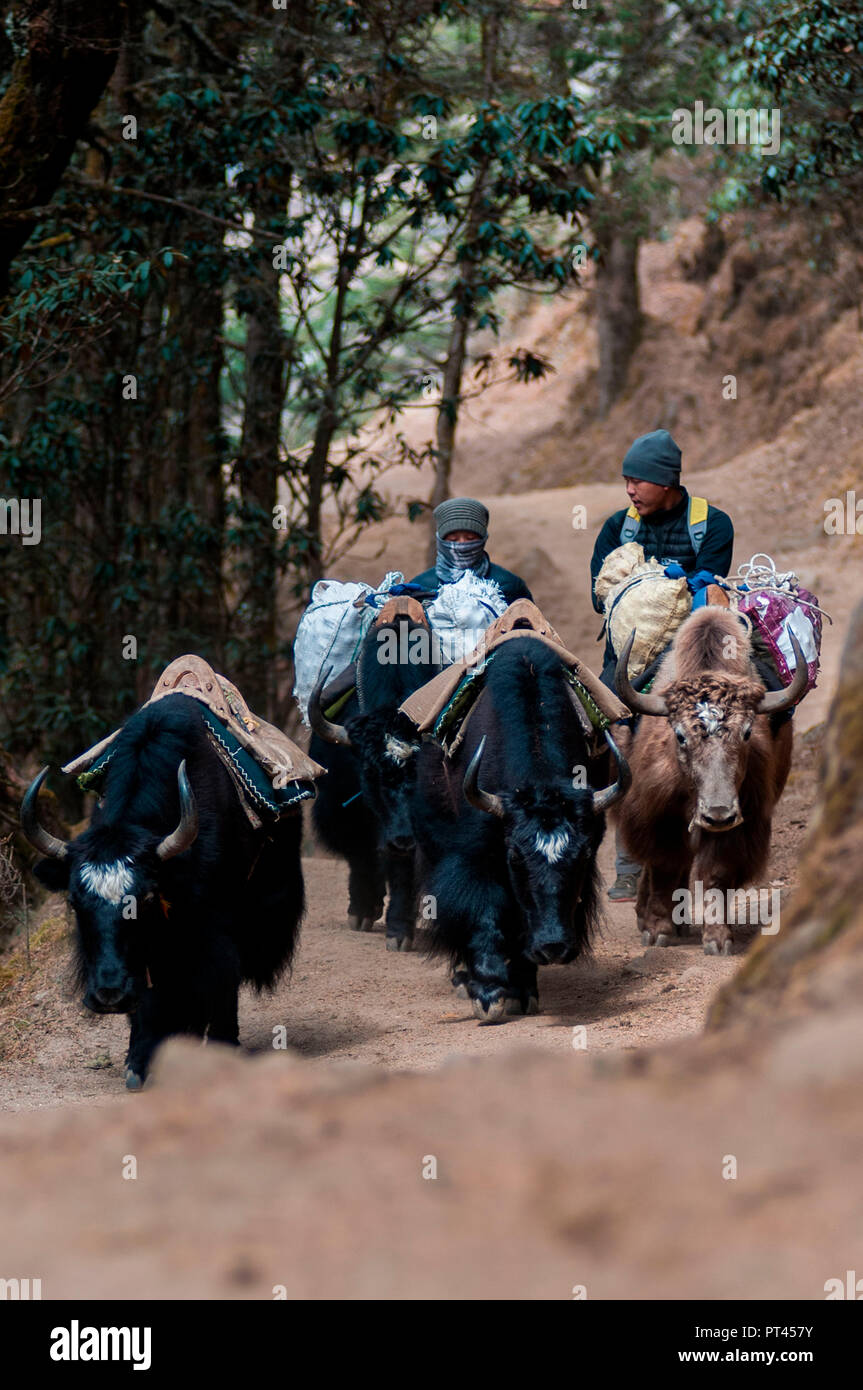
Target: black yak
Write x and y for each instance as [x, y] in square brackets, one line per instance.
[362, 810]
[177, 898]
[508, 830]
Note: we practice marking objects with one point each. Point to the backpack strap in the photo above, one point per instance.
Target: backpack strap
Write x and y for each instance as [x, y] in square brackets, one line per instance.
[699, 508]
[697, 521]
[631, 523]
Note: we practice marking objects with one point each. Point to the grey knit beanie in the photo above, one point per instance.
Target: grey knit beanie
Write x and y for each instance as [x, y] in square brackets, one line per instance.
[461, 514]
[653, 458]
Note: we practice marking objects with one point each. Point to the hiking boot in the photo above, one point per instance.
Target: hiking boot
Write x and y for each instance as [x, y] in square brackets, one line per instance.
[624, 888]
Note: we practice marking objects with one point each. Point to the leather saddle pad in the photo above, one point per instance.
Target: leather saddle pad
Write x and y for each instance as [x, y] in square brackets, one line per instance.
[279, 757]
[521, 619]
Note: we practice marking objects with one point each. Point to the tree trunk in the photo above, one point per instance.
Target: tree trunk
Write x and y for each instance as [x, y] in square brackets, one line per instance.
[257, 472]
[447, 416]
[447, 419]
[65, 53]
[618, 307]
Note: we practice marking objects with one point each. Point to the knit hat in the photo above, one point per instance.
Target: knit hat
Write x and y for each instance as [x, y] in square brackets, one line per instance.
[653, 458]
[461, 514]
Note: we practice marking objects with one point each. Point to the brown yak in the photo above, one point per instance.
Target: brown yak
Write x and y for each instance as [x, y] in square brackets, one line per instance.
[706, 775]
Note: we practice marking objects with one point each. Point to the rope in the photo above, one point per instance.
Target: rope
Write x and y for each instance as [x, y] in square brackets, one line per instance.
[766, 577]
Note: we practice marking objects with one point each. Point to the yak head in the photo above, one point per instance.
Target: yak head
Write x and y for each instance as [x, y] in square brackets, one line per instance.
[712, 717]
[111, 875]
[551, 834]
[384, 745]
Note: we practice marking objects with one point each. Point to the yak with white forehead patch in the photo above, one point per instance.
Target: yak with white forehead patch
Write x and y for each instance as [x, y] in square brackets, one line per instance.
[509, 828]
[708, 768]
[177, 899]
[362, 811]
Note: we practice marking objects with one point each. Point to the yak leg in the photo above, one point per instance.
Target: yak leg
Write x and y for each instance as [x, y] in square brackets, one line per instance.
[728, 862]
[224, 1022]
[524, 989]
[470, 912]
[148, 1026]
[655, 903]
[716, 936]
[402, 906]
[460, 976]
[641, 900]
[488, 974]
[366, 889]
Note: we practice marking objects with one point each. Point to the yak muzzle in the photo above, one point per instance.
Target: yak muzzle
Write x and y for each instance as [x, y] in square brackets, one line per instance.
[107, 999]
[717, 818]
[550, 952]
[401, 844]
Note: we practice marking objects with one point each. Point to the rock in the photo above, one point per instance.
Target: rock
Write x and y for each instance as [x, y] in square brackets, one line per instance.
[653, 962]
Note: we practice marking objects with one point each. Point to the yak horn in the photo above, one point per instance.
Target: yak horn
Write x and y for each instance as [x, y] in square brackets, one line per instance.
[607, 797]
[639, 704]
[483, 801]
[38, 836]
[775, 701]
[323, 727]
[186, 831]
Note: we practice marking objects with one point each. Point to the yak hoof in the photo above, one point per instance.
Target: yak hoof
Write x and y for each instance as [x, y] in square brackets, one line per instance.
[461, 990]
[495, 1011]
[727, 947]
[400, 943]
[646, 939]
[353, 921]
[134, 1082]
[516, 1006]
[711, 948]
[663, 939]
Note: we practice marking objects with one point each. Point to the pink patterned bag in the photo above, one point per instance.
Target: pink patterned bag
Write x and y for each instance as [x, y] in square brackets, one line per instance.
[778, 605]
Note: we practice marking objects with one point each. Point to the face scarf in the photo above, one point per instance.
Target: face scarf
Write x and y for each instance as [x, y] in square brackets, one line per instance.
[454, 557]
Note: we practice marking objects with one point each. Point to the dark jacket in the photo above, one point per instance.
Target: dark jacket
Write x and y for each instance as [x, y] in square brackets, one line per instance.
[665, 537]
[512, 586]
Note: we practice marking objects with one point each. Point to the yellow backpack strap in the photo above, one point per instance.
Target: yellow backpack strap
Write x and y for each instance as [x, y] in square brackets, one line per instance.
[631, 523]
[698, 510]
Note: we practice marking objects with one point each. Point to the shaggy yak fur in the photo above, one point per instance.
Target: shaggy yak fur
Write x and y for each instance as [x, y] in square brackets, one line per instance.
[706, 777]
[362, 810]
[169, 940]
[508, 834]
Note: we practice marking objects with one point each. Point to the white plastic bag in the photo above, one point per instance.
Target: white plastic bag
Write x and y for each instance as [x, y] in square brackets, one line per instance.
[331, 630]
[462, 611]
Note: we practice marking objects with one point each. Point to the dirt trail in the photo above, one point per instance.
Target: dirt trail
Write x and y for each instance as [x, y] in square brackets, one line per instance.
[350, 999]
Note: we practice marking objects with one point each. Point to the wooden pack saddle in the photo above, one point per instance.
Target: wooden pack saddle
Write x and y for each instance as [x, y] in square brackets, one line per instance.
[442, 706]
[234, 732]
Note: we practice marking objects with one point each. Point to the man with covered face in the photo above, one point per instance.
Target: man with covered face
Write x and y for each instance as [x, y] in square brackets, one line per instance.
[462, 535]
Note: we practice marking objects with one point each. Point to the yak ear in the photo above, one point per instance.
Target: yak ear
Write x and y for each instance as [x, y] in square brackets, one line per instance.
[54, 873]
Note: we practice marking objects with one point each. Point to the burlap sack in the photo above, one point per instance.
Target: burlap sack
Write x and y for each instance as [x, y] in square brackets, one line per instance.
[638, 595]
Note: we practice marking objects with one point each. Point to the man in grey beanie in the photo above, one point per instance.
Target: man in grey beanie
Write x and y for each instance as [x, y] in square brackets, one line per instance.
[661, 519]
[462, 533]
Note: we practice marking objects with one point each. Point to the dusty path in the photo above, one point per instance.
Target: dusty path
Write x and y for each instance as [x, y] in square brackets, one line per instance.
[351, 999]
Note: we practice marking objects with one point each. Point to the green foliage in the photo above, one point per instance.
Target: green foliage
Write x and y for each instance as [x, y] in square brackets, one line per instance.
[806, 57]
